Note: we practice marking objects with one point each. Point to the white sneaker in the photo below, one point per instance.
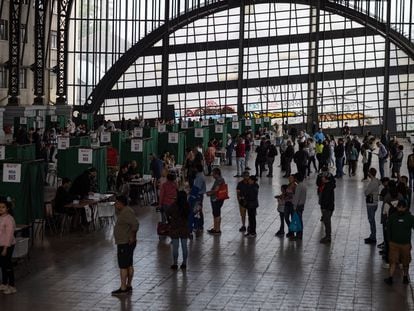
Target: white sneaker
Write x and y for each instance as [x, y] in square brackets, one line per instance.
[10, 290]
[3, 287]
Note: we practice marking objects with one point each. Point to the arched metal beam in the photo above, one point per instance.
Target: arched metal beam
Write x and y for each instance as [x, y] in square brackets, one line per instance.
[100, 92]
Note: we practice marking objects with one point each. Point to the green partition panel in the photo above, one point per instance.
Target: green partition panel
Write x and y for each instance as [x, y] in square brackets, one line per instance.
[142, 158]
[266, 124]
[117, 138]
[87, 119]
[80, 141]
[152, 132]
[62, 120]
[220, 137]
[29, 206]
[172, 127]
[68, 165]
[248, 127]
[178, 150]
[21, 152]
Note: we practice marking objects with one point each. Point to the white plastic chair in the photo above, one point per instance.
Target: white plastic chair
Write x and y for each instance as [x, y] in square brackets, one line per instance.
[21, 251]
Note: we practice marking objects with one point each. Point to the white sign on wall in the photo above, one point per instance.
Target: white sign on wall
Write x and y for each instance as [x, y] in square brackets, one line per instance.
[219, 128]
[199, 132]
[2, 152]
[85, 156]
[136, 145]
[161, 128]
[63, 142]
[105, 137]
[259, 121]
[248, 122]
[173, 138]
[23, 120]
[235, 125]
[53, 118]
[12, 172]
[138, 132]
[204, 123]
[184, 125]
[220, 120]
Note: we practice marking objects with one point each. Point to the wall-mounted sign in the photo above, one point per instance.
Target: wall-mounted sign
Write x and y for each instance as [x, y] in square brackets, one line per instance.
[198, 132]
[235, 125]
[161, 128]
[173, 138]
[138, 132]
[12, 172]
[136, 145]
[2, 152]
[63, 142]
[248, 122]
[85, 156]
[219, 128]
[105, 137]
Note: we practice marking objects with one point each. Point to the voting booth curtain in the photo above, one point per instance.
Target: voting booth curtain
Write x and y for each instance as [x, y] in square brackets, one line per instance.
[176, 149]
[21, 152]
[130, 152]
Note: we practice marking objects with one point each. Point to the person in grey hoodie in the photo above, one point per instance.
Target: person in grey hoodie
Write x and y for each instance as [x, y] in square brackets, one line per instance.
[371, 198]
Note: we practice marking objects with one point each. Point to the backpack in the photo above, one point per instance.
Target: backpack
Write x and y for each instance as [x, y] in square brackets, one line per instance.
[272, 151]
[410, 163]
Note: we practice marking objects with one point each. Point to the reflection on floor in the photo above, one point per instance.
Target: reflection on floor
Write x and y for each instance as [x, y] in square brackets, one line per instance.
[230, 272]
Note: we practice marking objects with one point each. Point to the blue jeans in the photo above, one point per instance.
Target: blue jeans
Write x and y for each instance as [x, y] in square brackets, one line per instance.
[240, 162]
[371, 209]
[299, 210]
[411, 178]
[381, 163]
[339, 166]
[175, 243]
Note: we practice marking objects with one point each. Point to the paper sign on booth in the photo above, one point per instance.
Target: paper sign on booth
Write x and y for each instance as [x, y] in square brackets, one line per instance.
[161, 128]
[184, 125]
[204, 123]
[198, 132]
[259, 121]
[138, 132]
[53, 118]
[219, 128]
[2, 152]
[84, 116]
[235, 118]
[136, 145]
[220, 120]
[248, 122]
[85, 156]
[235, 125]
[266, 119]
[173, 138]
[12, 172]
[23, 120]
[63, 142]
[105, 137]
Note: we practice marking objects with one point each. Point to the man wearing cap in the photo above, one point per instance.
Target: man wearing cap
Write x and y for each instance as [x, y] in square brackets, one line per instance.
[125, 234]
[399, 228]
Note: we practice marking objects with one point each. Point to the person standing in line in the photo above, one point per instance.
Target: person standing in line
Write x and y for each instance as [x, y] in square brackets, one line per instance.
[7, 244]
[252, 203]
[339, 152]
[397, 162]
[410, 168]
[281, 209]
[209, 156]
[311, 153]
[366, 159]
[327, 203]
[248, 147]
[195, 199]
[290, 192]
[271, 154]
[261, 158]
[125, 234]
[216, 204]
[241, 198]
[240, 156]
[288, 156]
[301, 160]
[319, 151]
[382, 158]
[399, 228]
[298, 201]
[177, 215]
[229, 149]
[371, 198]
[168, 195]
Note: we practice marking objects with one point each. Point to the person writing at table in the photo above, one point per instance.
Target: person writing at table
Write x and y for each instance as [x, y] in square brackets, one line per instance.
[84, 184]
[64, 197]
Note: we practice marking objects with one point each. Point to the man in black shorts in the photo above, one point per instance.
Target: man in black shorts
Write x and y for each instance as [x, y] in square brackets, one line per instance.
[125, 234]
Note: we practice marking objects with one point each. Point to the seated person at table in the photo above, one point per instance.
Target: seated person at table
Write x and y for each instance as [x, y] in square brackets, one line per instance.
[85, 183]
[133, 170]
[122, 180]
[63, 197]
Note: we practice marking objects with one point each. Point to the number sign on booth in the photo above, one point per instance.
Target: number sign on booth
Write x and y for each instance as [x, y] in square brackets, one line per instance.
[184, 125]
[257, 142]
[63, 142]
[136, 145]
[85, 156]
[12, 172]
[84, 116]
[219, 128]
[23, 120]
[235, 125]
[53, 118]
[161, 128]
[248, 122]
[173, 138]
[204, 123]
[105, 137]
[2, 152]
[266, 119]
[221, 120]
[259, 121]
[199, 133]
[138, 132]
[235, 118]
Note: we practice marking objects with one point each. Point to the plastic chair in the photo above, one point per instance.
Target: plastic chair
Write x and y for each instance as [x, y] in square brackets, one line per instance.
[106, 213]
[21, 251]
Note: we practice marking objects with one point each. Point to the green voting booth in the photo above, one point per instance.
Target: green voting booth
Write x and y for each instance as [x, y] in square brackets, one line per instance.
[174, 143]
[21, 152]
[137, 149]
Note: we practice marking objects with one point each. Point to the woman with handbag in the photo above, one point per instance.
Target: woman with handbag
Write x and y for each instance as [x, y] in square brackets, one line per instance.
[371, 198]
[216, 201]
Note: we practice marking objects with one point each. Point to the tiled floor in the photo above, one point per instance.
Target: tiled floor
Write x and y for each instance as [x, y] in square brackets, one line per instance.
[227, 272]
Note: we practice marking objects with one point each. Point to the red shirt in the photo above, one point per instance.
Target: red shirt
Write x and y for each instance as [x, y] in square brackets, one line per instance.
[240, 150]
[168, 193]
